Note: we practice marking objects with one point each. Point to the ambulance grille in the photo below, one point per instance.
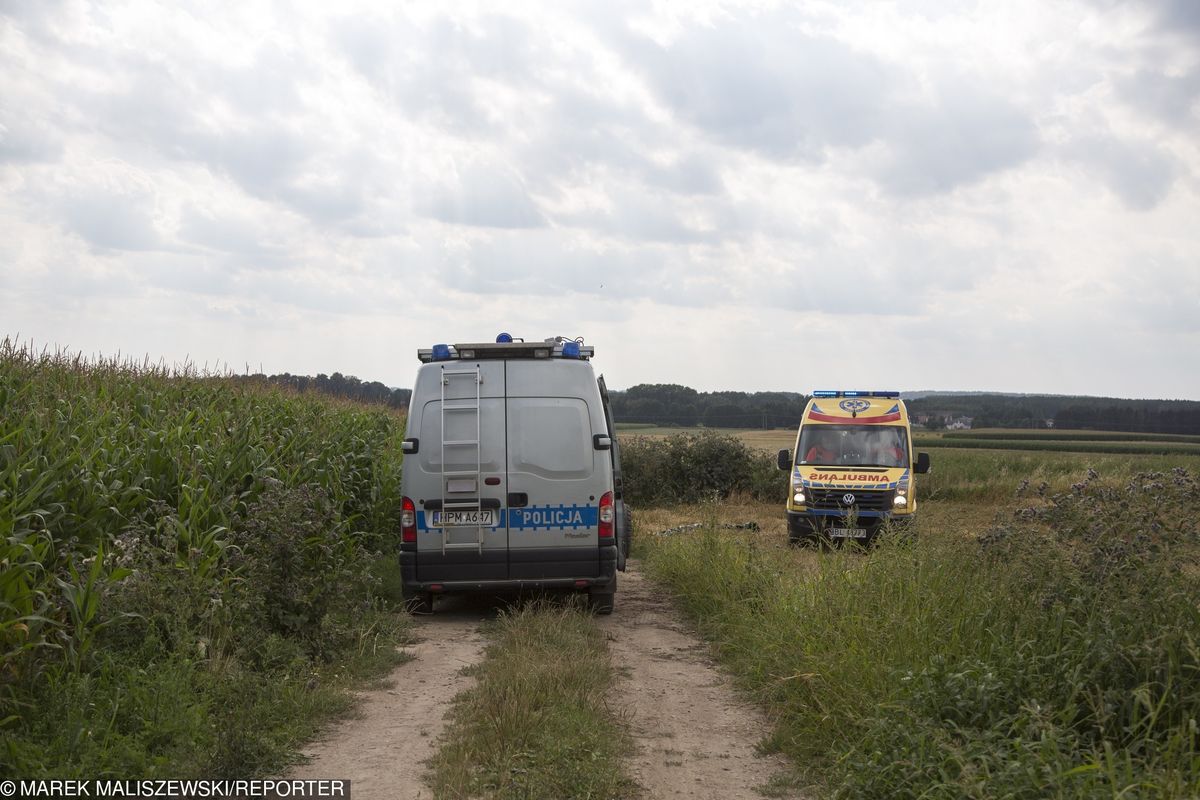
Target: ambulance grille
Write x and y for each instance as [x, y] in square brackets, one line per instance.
[864, 499]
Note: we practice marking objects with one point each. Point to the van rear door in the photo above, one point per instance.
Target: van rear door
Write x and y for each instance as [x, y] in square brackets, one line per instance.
[460, 488]
[556, 477]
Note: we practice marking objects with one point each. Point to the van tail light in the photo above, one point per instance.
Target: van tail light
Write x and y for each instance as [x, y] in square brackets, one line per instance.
[607, 515]
[408, 521]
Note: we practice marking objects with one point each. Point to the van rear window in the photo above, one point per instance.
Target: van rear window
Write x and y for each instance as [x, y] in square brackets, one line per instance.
[550, 436]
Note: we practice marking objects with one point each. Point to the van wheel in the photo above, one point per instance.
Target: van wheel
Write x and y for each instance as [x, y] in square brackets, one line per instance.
[602, 602]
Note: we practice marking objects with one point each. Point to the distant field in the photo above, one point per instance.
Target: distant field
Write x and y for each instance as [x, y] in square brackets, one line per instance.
[1075, 445]
[1091, 436]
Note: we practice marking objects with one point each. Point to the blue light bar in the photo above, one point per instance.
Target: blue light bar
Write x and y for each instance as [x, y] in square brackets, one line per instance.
[441, 352]
[826, 393]
[504, 338]
[570, 349]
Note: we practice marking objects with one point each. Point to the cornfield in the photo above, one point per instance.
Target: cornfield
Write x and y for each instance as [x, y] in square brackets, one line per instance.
[115, 474]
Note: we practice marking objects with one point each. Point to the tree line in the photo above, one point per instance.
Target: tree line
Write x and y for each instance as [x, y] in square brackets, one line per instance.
[674, 405]
[346, 387]
[1065, 412]
[671, 404]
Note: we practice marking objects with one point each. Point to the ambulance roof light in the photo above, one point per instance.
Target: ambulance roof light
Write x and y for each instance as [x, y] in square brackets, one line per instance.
[504, 338]
[441, 352]
[852, 393]
[570, 350]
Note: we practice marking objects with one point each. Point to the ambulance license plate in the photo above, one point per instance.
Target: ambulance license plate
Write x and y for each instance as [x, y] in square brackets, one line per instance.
[846, 533]
[452, 519]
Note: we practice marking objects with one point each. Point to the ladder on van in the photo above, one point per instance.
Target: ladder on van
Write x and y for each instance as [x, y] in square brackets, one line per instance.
[464, 407]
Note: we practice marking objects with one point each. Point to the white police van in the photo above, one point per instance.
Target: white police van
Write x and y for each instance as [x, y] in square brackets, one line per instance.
[512, 473]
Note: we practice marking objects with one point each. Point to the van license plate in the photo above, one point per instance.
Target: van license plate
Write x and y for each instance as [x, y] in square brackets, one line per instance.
[847, 533]
[451, 519]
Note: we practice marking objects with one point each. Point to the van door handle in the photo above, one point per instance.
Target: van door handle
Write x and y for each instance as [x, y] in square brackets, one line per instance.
[518, 499]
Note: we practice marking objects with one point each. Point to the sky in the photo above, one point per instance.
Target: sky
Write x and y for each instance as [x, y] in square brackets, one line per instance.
[751, 196]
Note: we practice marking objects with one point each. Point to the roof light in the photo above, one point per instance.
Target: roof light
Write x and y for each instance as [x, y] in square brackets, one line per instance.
[504, 338]
[851, 393]
[441, 352]
[570, 350]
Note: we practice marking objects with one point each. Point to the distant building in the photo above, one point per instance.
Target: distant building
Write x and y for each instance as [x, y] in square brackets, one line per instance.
[959, 423]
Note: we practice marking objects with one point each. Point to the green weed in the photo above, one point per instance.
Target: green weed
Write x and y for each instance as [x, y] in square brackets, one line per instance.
[536, 723]
[1055, 656]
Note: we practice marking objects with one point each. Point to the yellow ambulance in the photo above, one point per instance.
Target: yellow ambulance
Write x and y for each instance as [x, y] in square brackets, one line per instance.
[852, 469]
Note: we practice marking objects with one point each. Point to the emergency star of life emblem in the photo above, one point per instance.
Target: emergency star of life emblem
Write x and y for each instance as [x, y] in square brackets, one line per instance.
[854, 406]
[847, 499]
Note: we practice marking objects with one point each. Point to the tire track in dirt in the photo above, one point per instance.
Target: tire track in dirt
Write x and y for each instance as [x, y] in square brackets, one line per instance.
[695, 737]
[383, 749]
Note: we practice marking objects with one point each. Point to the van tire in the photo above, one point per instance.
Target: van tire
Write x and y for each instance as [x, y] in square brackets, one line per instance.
[602, 602]
[626, 536]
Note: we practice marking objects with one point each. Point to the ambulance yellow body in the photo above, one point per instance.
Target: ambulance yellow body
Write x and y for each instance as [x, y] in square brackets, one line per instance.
[852, 470]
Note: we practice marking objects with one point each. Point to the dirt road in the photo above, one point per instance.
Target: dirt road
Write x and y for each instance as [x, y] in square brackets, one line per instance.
[383, 750]
[694, 737]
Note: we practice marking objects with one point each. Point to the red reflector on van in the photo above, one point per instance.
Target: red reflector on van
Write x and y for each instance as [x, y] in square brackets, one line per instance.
[580, 584]
[492, 481]
[436, 587]
[607, 515]
[408, 521]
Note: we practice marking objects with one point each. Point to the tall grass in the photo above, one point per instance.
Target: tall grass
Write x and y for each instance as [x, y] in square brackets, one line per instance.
[1056, 656]
[695, 467]
[536, 724]
[992, 476]
[171, 542]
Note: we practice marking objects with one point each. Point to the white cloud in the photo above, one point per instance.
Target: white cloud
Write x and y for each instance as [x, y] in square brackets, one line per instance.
[946, 195]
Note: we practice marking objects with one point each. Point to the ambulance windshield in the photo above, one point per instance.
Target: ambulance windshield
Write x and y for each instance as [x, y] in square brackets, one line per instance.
[854, 445]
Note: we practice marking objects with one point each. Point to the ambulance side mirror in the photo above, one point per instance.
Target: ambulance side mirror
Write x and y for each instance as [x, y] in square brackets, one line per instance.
[922, 463]
[784, 459]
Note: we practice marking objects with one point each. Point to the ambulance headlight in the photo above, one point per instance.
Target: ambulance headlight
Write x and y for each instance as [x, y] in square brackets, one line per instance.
[798, 497]
[900, 501]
